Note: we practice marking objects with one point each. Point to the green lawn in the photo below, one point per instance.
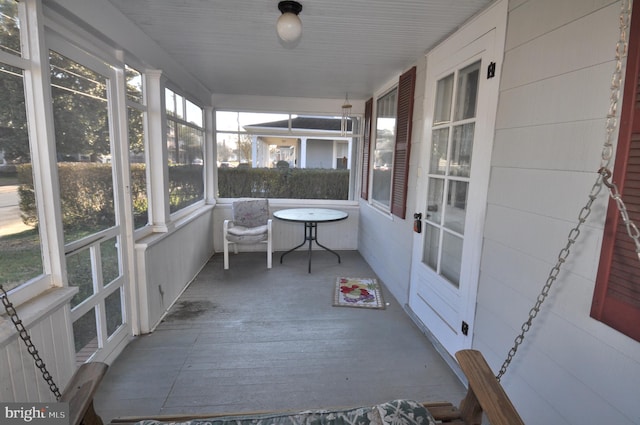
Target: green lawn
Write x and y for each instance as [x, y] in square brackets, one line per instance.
[20, 258]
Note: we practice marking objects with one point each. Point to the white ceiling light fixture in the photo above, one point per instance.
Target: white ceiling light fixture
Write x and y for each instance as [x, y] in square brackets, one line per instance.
[289, 25]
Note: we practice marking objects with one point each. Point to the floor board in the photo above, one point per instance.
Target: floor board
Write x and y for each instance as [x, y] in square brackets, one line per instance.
[250, 339]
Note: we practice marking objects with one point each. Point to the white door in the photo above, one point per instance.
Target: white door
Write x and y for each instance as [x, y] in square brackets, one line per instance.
[88, 149]
[461, 99]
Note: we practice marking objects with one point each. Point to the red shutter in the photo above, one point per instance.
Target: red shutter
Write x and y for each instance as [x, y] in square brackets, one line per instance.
[366, 149]
[616, 299]
[406, 88]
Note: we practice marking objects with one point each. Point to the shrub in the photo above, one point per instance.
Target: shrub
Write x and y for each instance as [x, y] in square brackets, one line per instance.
[27, 195]
[86, 195]
[139, 194]
[296, 183]
[86, 189]
[186, 186]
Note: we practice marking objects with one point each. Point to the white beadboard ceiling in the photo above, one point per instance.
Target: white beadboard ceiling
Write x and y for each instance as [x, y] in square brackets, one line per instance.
[347, 46]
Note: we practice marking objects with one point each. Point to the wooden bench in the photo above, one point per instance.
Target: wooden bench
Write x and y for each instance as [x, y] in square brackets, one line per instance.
[80, 391]
[485, 394]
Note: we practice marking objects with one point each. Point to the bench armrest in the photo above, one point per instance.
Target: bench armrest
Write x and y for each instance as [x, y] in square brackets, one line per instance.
[485, 393]
[80, 391]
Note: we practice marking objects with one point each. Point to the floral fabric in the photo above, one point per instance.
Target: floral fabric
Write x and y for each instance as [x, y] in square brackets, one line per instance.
[250, 213]
[397, 412]
[241, 234]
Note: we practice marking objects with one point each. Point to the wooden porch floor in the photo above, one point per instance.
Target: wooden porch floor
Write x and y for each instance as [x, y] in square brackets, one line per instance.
[250, 339]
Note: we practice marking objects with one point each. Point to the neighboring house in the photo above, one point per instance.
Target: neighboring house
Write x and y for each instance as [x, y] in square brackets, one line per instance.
[319, 144]
[497, 209]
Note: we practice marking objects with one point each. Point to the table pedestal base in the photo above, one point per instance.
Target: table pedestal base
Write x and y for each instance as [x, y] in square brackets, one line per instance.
[310, 234]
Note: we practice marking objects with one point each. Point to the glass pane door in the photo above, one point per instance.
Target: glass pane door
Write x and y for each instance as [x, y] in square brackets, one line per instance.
[88, 203]
[449, 171]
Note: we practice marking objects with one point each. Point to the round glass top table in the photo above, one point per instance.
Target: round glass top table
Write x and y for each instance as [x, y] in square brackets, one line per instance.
[310, 217]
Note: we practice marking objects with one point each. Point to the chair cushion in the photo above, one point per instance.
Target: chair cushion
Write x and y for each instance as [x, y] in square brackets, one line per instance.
[397, 412]
[241, 234]
[251, 213]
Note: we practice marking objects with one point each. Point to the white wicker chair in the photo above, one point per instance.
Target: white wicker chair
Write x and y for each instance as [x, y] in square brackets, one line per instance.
[250, 225]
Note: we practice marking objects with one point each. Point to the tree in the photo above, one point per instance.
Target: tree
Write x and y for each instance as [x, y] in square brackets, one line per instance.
[244, 148]
[80, 109]
[224, 151]
[14, 141]
[135, 116]
[79, 102]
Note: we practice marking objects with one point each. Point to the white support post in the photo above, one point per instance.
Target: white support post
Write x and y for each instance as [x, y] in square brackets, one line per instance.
[210, 155]
[303, 152]
[255, 160]
[157, 170]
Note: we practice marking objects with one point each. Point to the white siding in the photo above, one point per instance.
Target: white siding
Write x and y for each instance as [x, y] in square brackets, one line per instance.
[167, 263]
[385, 244]
[385, 241]
[550, 128]
[319, 153]
[20, 379]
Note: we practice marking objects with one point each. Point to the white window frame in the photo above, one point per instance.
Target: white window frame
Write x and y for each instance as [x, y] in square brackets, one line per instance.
[37, 101]
[177, 215]
[388, 88]
[351, 140]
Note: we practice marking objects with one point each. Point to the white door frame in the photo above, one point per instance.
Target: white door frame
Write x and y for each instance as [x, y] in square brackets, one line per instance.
[442, 308]
[108, 345]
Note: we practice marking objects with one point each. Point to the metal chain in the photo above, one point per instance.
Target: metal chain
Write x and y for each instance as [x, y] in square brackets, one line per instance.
[602, 179]
[24, 335]
[632, 229]
[612, 123]
[553, 275]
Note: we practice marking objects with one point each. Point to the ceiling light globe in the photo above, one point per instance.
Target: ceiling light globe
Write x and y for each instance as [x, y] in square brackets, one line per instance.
[289, 27]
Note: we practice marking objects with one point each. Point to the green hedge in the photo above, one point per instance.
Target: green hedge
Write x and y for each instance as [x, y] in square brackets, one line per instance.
[86, 193]
[139, 194]
[186, 186]
[86, 189]
[27, 195]
[296, 183]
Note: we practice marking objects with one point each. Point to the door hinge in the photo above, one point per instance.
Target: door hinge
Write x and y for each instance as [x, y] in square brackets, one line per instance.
[465, 328]
[491, 70]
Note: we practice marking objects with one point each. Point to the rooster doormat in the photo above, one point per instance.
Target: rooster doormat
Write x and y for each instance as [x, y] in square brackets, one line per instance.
[358, 292]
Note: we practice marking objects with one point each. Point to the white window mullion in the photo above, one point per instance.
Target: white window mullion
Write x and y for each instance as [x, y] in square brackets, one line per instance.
[98, 299]
[13, 60]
